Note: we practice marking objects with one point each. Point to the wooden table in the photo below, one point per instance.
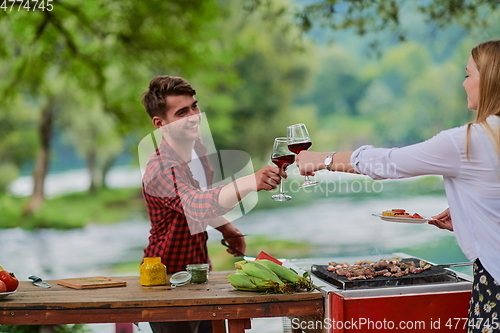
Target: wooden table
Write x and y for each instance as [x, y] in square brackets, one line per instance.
[217, 301]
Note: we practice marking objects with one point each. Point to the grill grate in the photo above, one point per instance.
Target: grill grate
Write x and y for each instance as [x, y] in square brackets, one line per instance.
[431, 275]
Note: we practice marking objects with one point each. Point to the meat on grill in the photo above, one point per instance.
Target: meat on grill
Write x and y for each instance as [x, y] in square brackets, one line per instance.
[364, 270]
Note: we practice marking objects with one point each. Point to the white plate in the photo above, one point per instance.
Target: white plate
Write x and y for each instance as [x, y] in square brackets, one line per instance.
[3, 295]
[402, 219]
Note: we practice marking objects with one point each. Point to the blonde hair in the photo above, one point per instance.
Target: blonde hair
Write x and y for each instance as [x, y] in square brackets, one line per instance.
[487, 58]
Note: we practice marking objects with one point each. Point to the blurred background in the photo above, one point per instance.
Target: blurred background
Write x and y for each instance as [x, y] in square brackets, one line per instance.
[381, 72]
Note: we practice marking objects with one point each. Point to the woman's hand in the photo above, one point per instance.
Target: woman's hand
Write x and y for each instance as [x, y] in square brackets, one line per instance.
[309, 161]
[443, 220]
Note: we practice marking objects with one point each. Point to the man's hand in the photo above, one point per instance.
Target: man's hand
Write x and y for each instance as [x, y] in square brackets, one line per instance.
[269, 177]
[443, 220]
[234, 239]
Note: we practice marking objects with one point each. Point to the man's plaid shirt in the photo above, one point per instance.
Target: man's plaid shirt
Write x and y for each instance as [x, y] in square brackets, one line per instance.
[176, 204]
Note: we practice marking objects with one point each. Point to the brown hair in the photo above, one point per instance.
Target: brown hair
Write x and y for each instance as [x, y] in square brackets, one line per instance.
[155, 99]
[487, 58]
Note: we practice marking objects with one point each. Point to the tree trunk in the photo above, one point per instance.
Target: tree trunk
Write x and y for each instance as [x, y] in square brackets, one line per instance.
[93, 172]
[42, 161]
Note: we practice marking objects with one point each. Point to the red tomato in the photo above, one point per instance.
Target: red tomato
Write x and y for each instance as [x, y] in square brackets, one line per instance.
[3, 287]
[417, 216]
[10, 280]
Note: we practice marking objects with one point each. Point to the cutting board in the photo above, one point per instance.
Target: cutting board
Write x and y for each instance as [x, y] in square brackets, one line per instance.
[91, 282]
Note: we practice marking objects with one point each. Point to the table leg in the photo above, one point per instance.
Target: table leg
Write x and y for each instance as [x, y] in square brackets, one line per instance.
[218, 326]
[238, 325]
[124, 328]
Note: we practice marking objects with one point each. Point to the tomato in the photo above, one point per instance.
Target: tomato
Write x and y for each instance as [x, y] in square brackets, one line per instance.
[417, 216]
[3, 287]
[10, 280]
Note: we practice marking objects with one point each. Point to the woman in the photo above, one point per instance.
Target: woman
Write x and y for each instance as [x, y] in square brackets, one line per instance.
[468, 158]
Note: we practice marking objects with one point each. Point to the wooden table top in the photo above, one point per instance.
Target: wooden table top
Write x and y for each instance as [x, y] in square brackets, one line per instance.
[214, 300]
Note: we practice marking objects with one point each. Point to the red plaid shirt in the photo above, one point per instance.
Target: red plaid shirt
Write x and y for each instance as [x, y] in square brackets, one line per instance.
[178, 209]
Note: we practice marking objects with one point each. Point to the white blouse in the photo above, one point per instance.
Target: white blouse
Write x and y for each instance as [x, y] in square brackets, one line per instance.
[472, 185]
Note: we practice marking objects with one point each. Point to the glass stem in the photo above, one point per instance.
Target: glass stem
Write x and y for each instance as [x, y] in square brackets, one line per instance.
[281, 186]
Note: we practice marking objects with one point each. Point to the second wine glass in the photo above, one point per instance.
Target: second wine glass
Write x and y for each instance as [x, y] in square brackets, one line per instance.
[282, 157]
[299, 140]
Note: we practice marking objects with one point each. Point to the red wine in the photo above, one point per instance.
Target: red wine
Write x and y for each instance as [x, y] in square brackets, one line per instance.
[283, 161]
[300, 146]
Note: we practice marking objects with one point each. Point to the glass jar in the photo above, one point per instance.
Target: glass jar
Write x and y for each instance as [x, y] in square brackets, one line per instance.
[199, 273]
[153, 272]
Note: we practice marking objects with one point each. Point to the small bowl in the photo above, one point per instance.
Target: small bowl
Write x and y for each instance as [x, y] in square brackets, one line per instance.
[180, 278]
[3, 295]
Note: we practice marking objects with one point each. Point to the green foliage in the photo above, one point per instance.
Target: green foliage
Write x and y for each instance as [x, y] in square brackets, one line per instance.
[8, 171]
[18, 142]
[381, 19]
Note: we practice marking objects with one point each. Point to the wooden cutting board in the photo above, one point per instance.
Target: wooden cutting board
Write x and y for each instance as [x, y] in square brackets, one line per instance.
[91, 282]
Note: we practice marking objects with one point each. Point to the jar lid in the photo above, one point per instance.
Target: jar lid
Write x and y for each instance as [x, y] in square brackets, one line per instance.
[197, 266]
[180, 278]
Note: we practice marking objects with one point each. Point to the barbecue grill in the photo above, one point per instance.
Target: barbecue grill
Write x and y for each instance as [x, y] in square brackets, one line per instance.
[431, 301]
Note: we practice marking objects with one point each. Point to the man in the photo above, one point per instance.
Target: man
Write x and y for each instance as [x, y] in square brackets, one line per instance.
[178, 207]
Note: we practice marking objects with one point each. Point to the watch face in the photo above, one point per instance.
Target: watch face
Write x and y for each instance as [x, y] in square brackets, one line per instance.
[328, 161]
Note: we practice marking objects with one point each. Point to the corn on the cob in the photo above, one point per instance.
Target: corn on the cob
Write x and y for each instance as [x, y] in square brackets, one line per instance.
[256, 269]
[283, 273]
[251, 283]
[290, 277]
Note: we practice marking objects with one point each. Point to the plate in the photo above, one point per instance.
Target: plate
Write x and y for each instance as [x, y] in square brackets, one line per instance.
[402, 219]
[3, 295]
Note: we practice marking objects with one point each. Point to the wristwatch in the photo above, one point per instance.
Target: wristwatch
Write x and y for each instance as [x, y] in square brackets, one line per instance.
[328, 161]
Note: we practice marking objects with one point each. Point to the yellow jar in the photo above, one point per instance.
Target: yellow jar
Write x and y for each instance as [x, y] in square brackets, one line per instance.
[153, 272]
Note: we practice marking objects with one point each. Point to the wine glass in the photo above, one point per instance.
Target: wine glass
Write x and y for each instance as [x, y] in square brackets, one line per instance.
[298, 140]
[282, 157]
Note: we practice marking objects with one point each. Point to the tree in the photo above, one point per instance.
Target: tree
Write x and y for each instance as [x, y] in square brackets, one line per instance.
[78, 40]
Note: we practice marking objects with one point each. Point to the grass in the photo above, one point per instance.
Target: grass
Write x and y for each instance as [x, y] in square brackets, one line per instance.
[74, 210]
